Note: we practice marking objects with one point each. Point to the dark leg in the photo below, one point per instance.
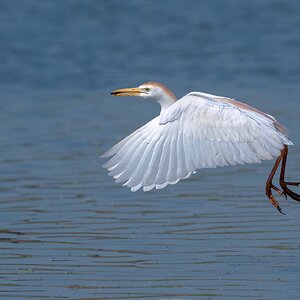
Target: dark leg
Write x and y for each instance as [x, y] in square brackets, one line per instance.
[282, 182]
[270, 186]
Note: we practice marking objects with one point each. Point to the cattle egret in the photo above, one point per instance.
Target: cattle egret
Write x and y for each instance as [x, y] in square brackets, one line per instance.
[197, 131]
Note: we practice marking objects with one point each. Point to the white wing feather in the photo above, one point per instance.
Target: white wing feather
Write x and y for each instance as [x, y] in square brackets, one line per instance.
[197, 131]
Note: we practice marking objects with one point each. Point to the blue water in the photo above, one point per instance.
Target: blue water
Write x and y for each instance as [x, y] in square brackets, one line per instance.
[67, 231]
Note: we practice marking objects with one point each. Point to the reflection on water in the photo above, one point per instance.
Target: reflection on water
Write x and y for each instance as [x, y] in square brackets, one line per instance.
[67, 231]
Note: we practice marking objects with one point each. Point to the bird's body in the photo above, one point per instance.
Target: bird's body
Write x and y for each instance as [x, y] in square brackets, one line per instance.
[197, 131]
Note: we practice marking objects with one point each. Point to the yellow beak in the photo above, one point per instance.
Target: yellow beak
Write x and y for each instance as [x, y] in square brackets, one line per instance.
[127, 92]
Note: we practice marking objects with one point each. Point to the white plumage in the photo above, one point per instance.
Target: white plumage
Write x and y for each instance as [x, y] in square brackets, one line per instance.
[197, 131]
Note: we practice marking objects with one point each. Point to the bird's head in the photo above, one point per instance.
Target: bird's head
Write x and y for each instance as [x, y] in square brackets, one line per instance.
[153, 90]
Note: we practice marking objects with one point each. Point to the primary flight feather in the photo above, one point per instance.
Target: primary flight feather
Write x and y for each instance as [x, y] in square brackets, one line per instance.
[197, 131]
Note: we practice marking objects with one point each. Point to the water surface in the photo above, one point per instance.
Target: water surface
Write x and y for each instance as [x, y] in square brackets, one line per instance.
[67, 231]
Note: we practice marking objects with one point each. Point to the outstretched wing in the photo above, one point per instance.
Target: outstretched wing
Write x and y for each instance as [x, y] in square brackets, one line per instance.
[197, 131]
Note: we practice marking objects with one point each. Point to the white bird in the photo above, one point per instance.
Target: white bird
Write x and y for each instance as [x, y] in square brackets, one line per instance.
[197, 131]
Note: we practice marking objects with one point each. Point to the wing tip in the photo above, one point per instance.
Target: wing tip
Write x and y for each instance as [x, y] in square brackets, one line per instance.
[105, 154]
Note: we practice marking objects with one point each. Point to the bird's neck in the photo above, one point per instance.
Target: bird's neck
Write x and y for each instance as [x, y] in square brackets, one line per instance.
[165, 102]
[167, 99]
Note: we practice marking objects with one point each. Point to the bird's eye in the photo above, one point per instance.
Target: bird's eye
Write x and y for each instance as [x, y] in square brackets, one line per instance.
[147, 89]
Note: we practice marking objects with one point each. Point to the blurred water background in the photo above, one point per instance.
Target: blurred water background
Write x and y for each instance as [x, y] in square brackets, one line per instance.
[67, 231]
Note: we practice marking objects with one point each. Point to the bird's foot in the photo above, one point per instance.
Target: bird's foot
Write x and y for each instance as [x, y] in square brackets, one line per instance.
[272, 199]
[274, 202]
[288, 192]
[276, 189]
